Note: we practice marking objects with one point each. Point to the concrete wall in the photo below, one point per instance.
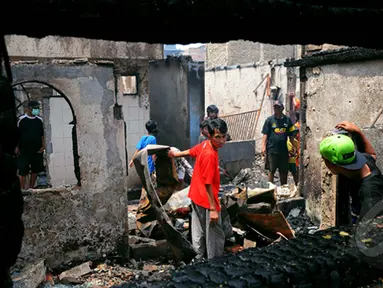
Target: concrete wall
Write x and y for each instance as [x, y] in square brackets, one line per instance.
[237, 155]
[242, 52]
[70, 47]
[232, 90]
[196, 92]
[176, 100]
[352, 92]
[63, 226]
[375, 135]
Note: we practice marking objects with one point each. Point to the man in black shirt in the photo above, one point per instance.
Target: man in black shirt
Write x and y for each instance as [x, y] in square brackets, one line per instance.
[341, 157]
[274, 142]
[31, 145]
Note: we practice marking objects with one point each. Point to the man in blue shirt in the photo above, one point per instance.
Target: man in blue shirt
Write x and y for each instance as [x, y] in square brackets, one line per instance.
[150, 139]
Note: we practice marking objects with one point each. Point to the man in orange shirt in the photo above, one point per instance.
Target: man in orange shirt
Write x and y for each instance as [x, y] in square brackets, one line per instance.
[207, 233]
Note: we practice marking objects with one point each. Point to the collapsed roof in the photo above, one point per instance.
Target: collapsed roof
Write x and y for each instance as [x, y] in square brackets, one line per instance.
[186, 21]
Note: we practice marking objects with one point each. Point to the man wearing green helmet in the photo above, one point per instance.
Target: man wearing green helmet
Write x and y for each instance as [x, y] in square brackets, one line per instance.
[341, 157]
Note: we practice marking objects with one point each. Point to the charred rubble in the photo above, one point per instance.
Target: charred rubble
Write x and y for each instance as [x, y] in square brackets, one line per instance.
[255, 214]
[329, 258]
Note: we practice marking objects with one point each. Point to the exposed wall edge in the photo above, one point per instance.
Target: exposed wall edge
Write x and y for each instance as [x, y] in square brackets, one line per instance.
[344, 55]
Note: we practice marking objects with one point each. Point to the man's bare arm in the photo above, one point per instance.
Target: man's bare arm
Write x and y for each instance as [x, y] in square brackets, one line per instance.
[134, 156]
[352, 128]
[179, 154]
[264, 141]
[210, 196]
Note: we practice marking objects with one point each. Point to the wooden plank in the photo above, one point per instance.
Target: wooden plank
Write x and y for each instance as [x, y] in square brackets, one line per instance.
[268, 224]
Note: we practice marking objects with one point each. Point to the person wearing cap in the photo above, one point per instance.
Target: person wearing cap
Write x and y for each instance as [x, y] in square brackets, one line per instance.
[341, 157]
[149, 139]
[276, 129]
[31, 145]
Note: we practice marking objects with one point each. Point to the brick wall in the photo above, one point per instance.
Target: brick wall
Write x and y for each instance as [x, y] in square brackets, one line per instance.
[216, 55]
[243, 52]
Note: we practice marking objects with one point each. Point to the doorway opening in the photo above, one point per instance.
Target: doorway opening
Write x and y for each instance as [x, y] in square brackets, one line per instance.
[61, 159]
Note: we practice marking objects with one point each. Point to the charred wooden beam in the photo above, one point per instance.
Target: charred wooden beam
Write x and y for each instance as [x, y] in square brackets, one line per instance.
[188, 21]
[345, 55]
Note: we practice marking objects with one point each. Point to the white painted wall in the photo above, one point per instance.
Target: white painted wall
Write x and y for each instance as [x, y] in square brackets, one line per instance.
[233, 91]
[61, 167]
[135, 118]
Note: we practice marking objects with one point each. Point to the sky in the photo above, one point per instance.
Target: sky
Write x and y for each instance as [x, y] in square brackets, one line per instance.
[192, 45]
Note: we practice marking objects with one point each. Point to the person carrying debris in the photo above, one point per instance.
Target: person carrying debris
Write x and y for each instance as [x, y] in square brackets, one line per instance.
[206, 228]
[150, 139]
[341, 157]
[31, 145]
[276, 129]
[182, 167]
[204, 131]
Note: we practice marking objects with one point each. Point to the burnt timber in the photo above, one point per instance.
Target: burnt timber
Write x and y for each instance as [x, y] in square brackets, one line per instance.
[299, 21]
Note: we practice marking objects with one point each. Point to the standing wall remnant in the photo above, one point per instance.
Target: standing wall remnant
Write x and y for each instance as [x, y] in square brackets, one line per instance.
[177, 100]
[64, 225]
[335, 92]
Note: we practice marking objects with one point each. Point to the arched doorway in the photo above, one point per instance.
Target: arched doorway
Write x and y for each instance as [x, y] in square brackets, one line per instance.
[61, 155]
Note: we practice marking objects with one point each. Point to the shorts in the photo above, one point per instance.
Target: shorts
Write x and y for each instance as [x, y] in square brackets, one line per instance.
[33, 163]
[278, 161]
[293, 168]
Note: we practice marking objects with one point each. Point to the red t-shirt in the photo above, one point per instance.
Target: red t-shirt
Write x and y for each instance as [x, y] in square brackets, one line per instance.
[206, 171]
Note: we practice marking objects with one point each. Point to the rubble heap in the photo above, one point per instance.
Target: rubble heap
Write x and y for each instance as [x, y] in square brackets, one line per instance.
[329, 258]
[109, 273]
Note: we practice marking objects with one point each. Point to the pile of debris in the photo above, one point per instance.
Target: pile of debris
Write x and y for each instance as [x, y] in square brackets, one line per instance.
[94, 275]
[252, 177]
[254, 211]
[251, 216]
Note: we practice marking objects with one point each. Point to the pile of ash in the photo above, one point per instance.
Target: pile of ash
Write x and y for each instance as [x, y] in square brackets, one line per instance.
[300, 222]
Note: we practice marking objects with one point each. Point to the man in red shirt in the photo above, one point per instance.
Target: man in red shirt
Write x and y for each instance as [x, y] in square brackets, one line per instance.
[207, 233]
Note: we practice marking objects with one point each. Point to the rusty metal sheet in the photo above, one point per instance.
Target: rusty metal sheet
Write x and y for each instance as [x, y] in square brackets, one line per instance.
[166, 184]
[268, 224]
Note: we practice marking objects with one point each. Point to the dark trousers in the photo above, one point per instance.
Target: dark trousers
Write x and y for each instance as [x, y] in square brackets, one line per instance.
[277, 161]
